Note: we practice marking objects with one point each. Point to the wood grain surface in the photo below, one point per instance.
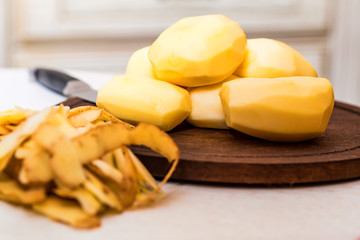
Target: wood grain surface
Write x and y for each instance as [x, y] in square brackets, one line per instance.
[228, 156]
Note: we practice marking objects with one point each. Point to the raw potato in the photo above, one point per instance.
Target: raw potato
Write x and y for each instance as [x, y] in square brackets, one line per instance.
[206, 109]
[268, 58]
[133, 99]
[139, 64]
[280, 109]
[198, 51]
[74, 165]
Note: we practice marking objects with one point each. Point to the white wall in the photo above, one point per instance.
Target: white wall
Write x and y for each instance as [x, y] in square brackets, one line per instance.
[101, 35]
[3, 37]
[345, 52]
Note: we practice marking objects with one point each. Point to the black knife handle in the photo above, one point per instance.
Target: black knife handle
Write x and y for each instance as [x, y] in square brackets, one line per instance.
[52, 79]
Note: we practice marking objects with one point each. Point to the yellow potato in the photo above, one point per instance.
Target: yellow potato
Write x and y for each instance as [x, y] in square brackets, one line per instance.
[139, 64]
[206, 109]
[133, 99]
[268, 58]
[279, 109]
[198, 51]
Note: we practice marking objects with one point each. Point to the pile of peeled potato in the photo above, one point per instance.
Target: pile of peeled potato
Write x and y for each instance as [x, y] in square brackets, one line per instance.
[204, 70]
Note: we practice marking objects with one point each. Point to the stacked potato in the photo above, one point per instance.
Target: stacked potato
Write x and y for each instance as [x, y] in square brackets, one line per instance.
[203, 69]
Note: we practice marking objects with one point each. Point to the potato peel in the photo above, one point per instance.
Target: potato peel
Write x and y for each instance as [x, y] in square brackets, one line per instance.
[64, 162]
[101, 139]
[11, 191]
[67, 212]
[86, 200]
[36, 164]
[72, 165]
[85, 117]
[106, 170]
[101, 191]
[11, 141]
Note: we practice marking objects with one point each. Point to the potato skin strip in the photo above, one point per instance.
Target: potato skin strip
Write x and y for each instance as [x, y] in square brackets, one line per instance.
[67, 212]
[11, 141]
[11, 191]
[159, 141]
[100, 140]
[64, 162]
[74, 165]
[86, 200]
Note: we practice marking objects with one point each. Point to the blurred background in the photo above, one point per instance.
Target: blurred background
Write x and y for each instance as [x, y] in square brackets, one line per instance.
[100, 35]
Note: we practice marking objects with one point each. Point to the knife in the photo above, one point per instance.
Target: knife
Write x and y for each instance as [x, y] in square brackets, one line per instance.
[63, 84]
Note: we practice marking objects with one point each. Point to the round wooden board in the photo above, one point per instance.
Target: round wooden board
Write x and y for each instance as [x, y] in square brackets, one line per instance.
[228, 156]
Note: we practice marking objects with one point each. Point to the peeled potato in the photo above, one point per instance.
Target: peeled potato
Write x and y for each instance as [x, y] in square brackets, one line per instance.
[197, 51]
[279, 109]
[269, 58]
[206, 109]
[135, 99]
[139, 64]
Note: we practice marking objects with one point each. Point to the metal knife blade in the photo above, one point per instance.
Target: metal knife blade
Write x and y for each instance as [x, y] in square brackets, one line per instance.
[63, 84]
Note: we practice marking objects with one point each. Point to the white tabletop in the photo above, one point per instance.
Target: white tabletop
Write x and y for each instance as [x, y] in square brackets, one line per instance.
[192, 211]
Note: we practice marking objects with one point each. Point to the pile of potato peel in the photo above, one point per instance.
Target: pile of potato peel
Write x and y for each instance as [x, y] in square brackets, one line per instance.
[74, 165]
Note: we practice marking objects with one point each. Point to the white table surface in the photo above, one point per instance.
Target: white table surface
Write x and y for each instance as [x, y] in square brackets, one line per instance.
[192, 211]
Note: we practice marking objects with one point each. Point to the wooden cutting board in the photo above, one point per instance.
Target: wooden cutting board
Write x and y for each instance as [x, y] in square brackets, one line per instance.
[228, 156]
